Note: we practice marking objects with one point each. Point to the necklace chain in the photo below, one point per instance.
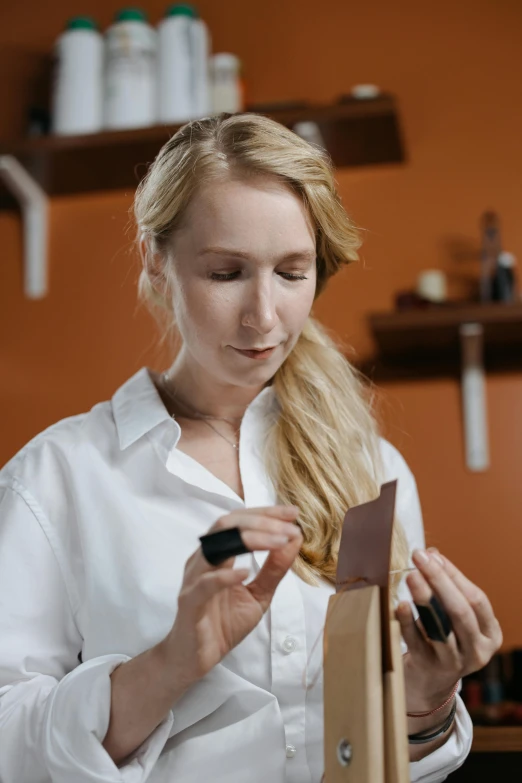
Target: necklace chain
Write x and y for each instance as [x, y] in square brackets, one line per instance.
[197, 414]
[234, 445]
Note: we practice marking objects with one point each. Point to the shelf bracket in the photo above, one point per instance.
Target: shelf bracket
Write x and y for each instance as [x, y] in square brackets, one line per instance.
[33, 203]
[474, 396]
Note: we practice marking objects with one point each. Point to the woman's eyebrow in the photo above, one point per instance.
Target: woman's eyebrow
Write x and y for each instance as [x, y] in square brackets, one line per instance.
[306, 254]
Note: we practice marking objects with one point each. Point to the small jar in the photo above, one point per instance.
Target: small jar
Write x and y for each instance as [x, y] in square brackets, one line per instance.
[227, 91]
[431, 285]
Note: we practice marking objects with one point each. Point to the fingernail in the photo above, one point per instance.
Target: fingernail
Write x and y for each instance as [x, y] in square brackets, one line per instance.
[435, 553]
[280, 540]
[422, 555]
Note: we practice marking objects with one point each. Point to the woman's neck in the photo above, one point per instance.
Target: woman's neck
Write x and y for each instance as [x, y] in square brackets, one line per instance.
[201, 394]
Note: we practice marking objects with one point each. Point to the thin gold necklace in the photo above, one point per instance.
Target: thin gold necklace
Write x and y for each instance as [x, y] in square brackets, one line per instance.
[234, 445]
[197, 414]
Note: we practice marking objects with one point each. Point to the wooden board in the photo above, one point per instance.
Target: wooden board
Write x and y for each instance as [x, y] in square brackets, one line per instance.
[397, 759]
[353, 686]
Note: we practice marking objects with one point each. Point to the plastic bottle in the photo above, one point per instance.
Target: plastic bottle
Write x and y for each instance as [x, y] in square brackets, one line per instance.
[201, 62]
[183, 65]
[175, 77]
[130, 73]
[77, 96]
[503, 283]
[227, 90]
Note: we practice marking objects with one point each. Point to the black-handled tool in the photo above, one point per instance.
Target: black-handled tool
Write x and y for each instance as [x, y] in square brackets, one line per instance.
[435, 621]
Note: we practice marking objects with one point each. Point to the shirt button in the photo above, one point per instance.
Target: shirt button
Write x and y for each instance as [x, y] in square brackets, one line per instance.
[290, 751]
[289, 644]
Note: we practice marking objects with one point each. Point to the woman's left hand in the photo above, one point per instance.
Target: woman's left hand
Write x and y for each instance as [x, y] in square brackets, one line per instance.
[431, 668]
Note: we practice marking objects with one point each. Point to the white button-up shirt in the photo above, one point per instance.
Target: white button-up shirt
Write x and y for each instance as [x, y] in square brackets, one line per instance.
[98, 515]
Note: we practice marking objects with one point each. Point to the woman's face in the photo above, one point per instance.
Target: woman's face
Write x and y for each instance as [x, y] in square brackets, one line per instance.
[244, 276]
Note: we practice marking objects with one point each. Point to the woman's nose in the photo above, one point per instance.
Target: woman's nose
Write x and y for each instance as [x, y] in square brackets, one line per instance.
[259, 311]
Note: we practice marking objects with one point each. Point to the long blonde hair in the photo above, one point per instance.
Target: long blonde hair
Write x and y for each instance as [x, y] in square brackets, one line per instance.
[322, 451]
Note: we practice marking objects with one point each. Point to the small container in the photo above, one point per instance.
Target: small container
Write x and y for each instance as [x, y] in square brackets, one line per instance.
[183, 86]
[365, 92]
[431, 285]
[175, 66]
[77, 96]
[503, 282]
[130, 74]
[227, 88]
[201, 65]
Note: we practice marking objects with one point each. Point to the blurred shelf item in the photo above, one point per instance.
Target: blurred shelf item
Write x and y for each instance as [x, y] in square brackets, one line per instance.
[355, 133]
[454, 339]
[497, 739]
[417, 344]
[34, 206]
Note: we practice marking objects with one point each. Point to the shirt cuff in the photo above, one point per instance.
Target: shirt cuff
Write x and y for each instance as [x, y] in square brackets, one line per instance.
[450, 756]
[75, 723]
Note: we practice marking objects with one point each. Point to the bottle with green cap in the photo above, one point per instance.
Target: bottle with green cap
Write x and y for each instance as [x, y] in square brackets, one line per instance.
[77, 95]
[183, 65]
[130, 71]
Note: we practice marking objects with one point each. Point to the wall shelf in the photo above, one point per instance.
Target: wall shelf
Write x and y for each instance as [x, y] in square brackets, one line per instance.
[417, 344]
[355, 132]
[454, 339]
[497, 739]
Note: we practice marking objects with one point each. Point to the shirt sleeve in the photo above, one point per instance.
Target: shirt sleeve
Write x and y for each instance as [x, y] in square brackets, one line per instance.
[446, 759]
[54, 711]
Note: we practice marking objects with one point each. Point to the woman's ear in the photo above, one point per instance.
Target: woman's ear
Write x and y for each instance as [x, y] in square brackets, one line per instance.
[143, 247]
[153, 262]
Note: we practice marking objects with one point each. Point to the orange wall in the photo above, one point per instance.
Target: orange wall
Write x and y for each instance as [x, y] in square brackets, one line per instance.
[456, 69]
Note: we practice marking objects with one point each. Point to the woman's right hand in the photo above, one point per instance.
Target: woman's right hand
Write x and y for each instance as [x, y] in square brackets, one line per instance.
[215, 610]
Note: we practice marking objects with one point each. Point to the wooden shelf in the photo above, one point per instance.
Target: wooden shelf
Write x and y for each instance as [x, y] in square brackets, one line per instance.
[355, 133]
[497, 739]
[426, 343]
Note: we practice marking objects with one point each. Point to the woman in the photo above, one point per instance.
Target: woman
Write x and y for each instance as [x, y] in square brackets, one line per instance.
[130, 656]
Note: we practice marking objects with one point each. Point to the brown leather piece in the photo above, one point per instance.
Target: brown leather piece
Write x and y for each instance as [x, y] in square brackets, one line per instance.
[365, 553]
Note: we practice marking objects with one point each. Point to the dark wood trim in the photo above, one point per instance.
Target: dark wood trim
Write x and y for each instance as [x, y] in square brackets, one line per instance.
[497, 739]
[425, 344]
[355, 132]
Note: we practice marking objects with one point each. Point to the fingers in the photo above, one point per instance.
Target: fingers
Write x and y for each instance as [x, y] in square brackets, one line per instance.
[261, 529]
[432, 576]
[477, 599]
[213, 582]
[409, 628]
[259, 525]
[272, 536]
[273, 570]
[253, 517]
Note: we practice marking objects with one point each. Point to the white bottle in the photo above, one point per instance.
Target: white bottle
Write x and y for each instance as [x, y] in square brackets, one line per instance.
[226, 83]
[201, 60]
[130, 71]
[183, 63]
[77, 99]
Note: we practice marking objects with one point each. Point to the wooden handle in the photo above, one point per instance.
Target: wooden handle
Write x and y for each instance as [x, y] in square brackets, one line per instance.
[397, 760]
[353, 687]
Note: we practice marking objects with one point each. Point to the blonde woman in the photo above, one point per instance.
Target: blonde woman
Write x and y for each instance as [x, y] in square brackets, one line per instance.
[127, 654]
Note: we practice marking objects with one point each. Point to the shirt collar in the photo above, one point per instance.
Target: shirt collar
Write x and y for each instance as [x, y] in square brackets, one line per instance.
[137, 408]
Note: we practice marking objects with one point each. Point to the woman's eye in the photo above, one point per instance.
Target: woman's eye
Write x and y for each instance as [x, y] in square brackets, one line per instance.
[289, 276]
[223, 275]
[233, 275]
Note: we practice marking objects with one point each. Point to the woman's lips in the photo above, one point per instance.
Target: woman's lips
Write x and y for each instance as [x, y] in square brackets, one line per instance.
[257, 354]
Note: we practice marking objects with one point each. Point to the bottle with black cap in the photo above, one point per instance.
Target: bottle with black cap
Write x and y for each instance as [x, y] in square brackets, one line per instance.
[503, 282]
